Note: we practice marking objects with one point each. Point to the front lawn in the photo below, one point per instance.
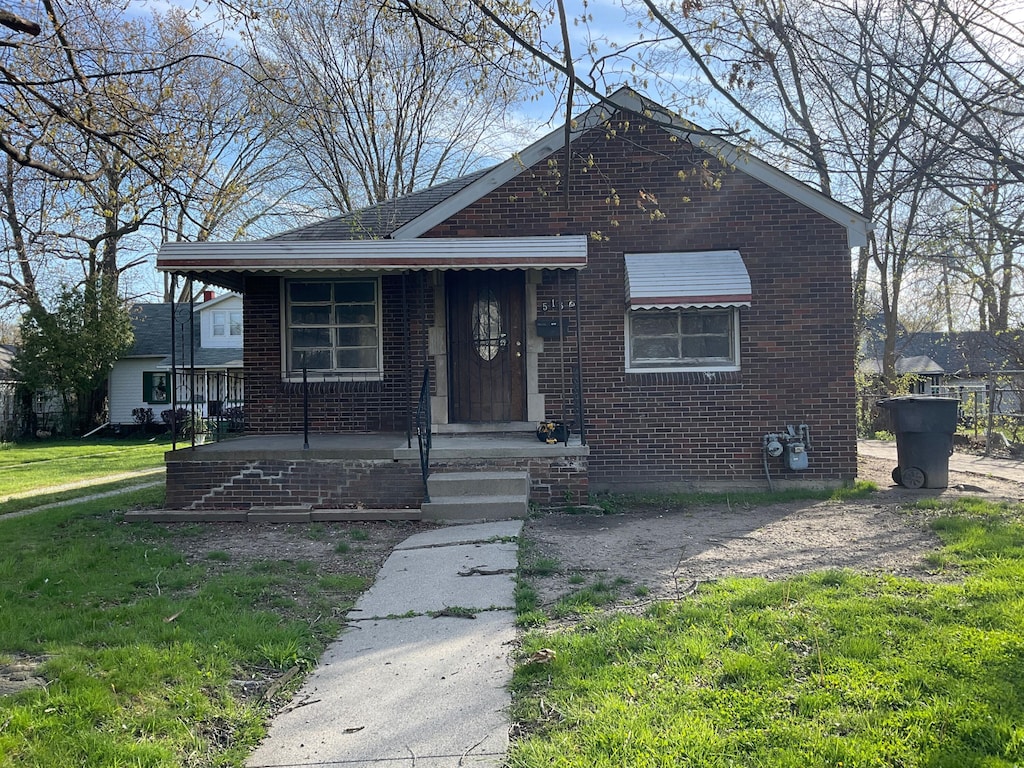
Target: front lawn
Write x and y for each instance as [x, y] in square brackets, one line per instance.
[831, 669]
[151, 658]
[33, 465]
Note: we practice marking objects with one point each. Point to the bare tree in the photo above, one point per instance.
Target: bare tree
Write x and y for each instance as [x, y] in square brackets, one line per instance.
[982, 241]
[18, 23]
[883, 104]
[120, 133]
[379, 107]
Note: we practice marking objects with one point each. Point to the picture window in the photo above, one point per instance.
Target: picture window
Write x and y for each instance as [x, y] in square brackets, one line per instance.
[333, 327]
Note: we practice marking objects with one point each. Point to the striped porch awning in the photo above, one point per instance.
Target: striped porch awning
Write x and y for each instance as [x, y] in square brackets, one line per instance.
[225, 263]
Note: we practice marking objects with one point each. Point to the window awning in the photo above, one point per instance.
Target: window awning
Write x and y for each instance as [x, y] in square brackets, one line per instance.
[694, 279]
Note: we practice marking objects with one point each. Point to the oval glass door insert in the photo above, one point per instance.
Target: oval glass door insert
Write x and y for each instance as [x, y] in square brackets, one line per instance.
[488, 335]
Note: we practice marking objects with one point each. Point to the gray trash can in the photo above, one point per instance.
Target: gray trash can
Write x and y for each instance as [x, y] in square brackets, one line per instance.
[924, 428]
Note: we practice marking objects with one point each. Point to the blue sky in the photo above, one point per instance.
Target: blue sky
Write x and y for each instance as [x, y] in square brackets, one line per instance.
[532, 119]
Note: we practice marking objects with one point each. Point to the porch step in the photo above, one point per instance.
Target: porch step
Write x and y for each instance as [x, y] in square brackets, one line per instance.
[492, 483]
[477, 496]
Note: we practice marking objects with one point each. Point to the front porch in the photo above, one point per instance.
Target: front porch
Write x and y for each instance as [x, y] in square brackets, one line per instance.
[355, 476]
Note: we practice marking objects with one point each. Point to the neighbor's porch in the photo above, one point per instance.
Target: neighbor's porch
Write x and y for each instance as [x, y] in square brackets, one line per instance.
[355, 476]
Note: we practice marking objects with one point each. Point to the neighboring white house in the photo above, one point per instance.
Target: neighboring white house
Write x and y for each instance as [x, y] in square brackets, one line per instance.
[207, 359]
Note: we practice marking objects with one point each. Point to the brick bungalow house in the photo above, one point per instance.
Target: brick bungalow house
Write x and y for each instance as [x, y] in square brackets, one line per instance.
[684, 307]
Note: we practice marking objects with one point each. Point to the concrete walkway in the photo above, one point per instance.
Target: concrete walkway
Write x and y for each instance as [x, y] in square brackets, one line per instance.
[420, 676]
[985, 466]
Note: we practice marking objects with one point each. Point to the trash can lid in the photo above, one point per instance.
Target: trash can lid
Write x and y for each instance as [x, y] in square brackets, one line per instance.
[893, 402]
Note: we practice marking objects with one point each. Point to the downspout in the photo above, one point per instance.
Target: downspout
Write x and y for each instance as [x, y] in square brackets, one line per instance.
[579, 362]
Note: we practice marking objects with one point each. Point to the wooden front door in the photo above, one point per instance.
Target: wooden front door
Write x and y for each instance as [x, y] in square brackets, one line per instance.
[486, 346]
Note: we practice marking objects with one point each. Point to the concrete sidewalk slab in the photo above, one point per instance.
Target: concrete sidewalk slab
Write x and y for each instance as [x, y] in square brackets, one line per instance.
[471, 533]
[426, 580]
[414, 691]
[418, 692]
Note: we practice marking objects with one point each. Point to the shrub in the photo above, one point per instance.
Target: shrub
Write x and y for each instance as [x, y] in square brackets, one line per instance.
[143, 416]
[234, 417]
[175, 419]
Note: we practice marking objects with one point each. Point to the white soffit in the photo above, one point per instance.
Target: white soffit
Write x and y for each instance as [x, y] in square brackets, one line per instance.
[303, 257]
[695, 279]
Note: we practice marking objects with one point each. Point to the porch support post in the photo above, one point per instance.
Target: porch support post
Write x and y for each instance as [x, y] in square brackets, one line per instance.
[563, 395]
[305, 406]
[192, 355]
[174, 365]
[408, 360]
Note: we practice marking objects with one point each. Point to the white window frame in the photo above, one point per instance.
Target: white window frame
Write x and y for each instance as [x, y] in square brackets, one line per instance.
[332, 374]
[683, 364]
[228, 321]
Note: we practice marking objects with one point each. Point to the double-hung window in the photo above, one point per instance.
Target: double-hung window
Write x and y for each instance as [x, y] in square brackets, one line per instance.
[227, 323]
[332, 327]
[683, 311]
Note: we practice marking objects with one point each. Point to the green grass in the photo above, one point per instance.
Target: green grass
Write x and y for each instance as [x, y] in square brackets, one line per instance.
[830, 669]
[146, 652]
[33, 500]
[28, 466]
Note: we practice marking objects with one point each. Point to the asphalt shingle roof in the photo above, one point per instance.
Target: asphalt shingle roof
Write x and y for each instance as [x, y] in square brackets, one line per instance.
[966, 353]
[379, 221]
[152, 324]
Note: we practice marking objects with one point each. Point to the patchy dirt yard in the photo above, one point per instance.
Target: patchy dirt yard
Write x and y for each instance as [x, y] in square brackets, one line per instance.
[350, 547]
[667, 552]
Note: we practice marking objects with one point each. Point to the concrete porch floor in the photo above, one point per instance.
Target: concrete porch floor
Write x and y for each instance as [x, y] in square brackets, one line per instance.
[384, 445]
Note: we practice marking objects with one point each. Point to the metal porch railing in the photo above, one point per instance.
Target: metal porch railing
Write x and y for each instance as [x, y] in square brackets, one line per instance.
[423, 430]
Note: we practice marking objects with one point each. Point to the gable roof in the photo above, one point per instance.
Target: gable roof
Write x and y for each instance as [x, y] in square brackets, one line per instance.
[919, 364]
[968, 353]
[857, 227]
[362, 239]
[202, 306]
[410, 216]
[152, 326]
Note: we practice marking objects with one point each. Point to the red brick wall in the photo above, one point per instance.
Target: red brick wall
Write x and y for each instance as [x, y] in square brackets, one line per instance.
[211, 483]
[672, 430]
[306, 483]
[796, 339]
[275, 406]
